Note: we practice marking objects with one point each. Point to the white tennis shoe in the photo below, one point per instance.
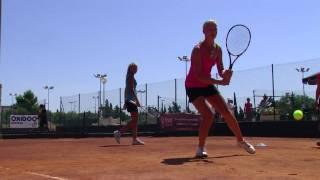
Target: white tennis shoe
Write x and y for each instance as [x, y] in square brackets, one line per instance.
[117, 136]
[137, 142]
[247, 146]
[201, 153]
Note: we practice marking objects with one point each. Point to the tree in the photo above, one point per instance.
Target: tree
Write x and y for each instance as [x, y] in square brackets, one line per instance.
[26, 103]
[175, 108]
[116, 112]
[291, 102]
[241, 114]
[107, 109]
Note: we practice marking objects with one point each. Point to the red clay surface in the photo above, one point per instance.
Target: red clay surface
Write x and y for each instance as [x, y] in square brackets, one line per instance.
[160, 159]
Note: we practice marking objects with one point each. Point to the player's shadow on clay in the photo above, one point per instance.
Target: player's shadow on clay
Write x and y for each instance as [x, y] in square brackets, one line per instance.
[183, 160]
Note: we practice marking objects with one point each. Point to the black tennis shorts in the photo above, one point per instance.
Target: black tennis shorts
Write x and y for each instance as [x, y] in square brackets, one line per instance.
[131, 107]
[194, 93]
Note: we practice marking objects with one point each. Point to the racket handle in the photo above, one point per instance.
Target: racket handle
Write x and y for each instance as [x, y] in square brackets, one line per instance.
[230, 66]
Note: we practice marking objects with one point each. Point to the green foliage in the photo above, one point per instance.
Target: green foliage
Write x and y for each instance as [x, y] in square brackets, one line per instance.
[109, 111]
[5, 117]
[88, 118]
[74, 119]
[26, 103]
[287, 104]
[175, 108]
[164, 109]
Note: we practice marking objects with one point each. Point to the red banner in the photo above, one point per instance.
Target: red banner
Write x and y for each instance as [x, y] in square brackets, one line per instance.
[180, 122]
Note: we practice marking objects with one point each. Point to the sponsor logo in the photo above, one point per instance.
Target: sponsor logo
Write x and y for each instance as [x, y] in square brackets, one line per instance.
[23, 118]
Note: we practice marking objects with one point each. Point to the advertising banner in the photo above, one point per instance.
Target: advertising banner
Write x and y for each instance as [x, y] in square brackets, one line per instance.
[179, 122]
[24, 121]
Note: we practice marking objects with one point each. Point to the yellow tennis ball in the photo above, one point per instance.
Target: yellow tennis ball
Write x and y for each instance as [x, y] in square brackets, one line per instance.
[298, 115]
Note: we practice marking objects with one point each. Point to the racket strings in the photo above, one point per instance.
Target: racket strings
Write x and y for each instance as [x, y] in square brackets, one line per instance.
[238, 40]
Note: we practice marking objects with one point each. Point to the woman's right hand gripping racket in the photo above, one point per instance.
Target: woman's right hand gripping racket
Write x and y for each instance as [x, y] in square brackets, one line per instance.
[237, 42]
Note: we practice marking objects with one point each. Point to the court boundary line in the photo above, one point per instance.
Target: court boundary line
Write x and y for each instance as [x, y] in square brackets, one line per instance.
[45, 175]
[35, 174]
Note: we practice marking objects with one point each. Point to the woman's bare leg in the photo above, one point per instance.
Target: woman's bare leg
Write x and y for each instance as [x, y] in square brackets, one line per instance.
[207, 119]
[133, 125]
[220, 105]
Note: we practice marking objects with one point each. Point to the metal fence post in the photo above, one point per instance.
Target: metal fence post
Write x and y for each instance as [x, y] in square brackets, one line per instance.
[79, 104]
[158, 98]
[175, 91]
[120, 106]
[146, 89]
[273, 104]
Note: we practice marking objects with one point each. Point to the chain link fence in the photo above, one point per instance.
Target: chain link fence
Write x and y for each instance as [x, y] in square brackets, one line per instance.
[282, 84]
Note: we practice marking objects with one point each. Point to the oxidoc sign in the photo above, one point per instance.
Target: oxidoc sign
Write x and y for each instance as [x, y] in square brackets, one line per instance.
[24, 121]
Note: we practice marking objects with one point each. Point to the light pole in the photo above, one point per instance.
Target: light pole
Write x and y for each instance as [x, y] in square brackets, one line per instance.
[95, 103]
[141, 92]
[158, 102]
[12, 97]
[0, 83]
[162, 109]
[48, 112]
[48, 88]
[101, 77]
[186, 60]
[73, 105]
[104, 81]
[303, 70]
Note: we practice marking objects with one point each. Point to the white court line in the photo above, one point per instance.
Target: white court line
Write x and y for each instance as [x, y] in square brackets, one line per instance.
[4, 168]
[44, 175]
[36, 174]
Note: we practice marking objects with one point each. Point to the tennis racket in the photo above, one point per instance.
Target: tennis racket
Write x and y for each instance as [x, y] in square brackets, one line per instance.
[237, 42]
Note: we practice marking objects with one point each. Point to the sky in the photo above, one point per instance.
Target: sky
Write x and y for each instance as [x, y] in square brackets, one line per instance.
[63, 43]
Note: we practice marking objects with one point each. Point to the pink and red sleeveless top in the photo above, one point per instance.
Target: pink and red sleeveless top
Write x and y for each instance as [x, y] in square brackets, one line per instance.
[208, 61]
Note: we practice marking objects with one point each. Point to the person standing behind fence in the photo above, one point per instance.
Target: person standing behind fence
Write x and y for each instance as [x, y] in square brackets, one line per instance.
[200, 88]
[42, 116]
[248, 110]
[262, 106]
[131, 104]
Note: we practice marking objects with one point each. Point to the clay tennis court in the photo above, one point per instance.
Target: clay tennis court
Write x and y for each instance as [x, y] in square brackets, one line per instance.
[161, 158]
